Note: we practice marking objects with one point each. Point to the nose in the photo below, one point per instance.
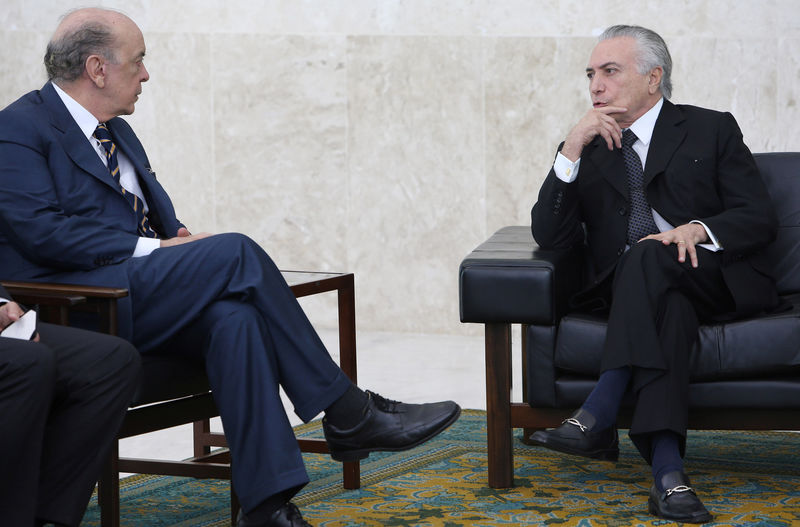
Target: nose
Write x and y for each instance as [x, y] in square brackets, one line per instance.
[145, 74]
[596, 85]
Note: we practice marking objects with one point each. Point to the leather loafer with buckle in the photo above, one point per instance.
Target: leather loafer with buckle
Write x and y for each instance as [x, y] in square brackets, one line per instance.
[389, 426]
[287, 516]
[678, 502]
[578, 437]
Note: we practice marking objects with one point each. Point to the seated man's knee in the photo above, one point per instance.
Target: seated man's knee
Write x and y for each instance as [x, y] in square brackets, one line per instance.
[235, 242]
[650, 253]
[32, 365]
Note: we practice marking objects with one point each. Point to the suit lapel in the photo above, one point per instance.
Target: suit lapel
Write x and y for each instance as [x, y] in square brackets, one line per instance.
[668, 134]
[147, 179]
[610, 164]
[121, 140]
[73, 140]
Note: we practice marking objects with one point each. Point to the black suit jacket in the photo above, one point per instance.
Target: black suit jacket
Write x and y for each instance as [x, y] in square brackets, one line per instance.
[698, 168]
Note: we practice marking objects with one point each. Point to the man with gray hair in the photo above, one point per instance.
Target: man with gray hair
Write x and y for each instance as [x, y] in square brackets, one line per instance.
[673, 212]
[80, 203]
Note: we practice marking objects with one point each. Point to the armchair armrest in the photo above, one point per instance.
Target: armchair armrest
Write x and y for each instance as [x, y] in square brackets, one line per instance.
[57, 299]
[64, 290]
[509, 279]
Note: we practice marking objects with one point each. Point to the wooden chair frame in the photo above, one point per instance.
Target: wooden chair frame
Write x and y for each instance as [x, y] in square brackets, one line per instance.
[55, 302]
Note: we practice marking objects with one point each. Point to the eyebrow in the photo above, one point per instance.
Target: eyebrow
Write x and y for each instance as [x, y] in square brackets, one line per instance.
[602, 66]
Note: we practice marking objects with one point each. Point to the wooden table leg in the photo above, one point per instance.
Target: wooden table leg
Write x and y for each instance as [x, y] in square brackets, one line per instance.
[347, 359]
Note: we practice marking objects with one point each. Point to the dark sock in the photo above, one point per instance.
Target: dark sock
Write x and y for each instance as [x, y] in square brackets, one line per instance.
[666, 455]
[348, 410]
[604, 401]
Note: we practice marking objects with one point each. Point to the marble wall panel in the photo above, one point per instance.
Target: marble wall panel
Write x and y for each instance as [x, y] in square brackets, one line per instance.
[317, 17]
[786, 130]
[389, 137]
[735, 75]
[41, 15]
[712, 18]
[421, 17]
[21, 65]
[175, 123]
[281, 112]
[415, 147]
[787, 19]
[536, 90]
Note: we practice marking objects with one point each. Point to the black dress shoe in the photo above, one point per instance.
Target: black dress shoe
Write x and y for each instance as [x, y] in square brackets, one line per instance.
[286, 516]
[389, 426]
[678, 502]
[577, 436]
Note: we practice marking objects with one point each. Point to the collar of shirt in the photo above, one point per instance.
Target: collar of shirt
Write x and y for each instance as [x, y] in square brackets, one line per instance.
[83, 117]
[644, 125]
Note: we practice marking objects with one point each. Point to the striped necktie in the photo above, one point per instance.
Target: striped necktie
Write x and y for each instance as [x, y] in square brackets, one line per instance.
[640, 220]
[103, 135]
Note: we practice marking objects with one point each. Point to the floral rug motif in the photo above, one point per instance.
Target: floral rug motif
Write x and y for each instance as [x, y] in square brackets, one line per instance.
[744, 478]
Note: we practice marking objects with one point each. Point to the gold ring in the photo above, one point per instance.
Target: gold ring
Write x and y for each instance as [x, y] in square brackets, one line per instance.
[681, 241]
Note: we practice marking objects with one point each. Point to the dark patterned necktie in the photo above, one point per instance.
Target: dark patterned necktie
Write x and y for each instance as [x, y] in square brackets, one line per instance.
[143, 224]
[640, 221]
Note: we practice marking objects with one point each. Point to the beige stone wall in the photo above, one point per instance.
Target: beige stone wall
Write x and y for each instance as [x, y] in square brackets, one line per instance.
[389, 138]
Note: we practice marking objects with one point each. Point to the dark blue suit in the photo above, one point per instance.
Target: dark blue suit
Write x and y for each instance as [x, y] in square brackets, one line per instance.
[63, 219]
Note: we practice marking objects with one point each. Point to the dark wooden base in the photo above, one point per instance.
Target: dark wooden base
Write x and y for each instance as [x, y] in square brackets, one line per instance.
[502, 416]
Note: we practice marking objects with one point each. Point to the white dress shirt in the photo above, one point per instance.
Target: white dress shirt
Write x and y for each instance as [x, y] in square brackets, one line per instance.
[643, 127]
[127, 174]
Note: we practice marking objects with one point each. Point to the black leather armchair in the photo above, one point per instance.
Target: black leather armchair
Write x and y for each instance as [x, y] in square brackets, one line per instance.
[745, 374]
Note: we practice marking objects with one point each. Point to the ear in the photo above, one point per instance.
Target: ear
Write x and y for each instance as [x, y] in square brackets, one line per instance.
[95, 69]
[654, 80]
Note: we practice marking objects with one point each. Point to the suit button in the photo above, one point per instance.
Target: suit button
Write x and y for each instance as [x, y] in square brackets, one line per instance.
[620, 251]
[622, 211]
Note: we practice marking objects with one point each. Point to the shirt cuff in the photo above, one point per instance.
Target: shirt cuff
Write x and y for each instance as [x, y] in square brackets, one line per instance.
[566, 170]
[710, 234]
[145, 246]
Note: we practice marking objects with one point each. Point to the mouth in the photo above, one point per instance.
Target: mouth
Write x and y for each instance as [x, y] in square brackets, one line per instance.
[599, 104]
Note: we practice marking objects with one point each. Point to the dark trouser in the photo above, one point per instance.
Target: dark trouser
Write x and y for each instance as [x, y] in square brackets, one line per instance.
[62, 401]
[222, 298]
[656, 306]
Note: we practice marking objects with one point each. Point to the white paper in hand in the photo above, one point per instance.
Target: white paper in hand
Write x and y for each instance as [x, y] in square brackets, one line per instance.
[23, 328]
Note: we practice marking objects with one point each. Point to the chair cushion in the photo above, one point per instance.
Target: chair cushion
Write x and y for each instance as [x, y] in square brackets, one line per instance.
[166, 377]
[499, 279]
[762, 346]
[769, 393]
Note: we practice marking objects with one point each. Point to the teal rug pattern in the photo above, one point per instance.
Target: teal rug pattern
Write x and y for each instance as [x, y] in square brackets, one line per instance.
[744, 478]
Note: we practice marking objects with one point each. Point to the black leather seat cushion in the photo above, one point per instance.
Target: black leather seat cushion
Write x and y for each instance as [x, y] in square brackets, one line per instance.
[761, 346]
[781, 391]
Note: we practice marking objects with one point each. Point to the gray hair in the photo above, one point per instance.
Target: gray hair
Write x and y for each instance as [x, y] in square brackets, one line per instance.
[66, 54]
[651, 52]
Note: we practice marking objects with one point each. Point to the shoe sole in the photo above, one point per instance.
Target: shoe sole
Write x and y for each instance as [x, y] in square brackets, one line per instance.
[357, 455]
[601, 455]
[653, 509]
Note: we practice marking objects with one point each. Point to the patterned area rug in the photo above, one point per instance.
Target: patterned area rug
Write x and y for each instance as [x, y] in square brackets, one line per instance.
[744, 478]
